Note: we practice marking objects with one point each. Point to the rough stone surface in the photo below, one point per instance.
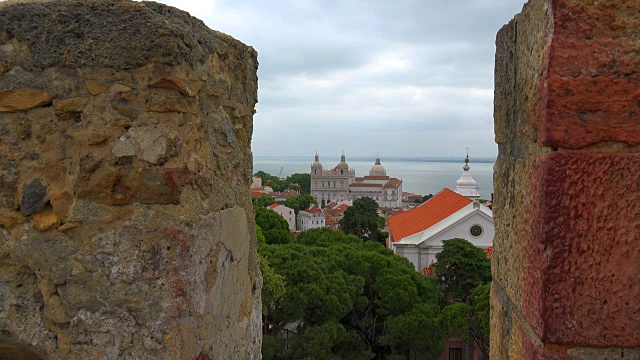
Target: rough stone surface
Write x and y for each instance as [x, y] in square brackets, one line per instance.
[587, 223]
[33, 198]
[593, 75]
[23, 99]
[126, 226]
[567, 252]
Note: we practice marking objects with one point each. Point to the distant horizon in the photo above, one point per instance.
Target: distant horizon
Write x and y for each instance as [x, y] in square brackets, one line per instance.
[330, 158]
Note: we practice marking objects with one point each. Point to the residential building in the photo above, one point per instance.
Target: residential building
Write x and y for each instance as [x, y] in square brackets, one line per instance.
[334, 212]
[256, 182]
[283, 195]
[311, 218]
[287, 213]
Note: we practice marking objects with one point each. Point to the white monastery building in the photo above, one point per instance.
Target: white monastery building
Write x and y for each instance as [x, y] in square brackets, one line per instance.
[331, 185]
[311, 218]
[417, 234]
[341, 183]
[287, 213]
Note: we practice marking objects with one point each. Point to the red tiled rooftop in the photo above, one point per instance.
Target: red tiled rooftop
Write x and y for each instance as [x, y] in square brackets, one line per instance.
[273, 206]
[364, 185]
[431, 212]
[313, 209]
[368, 177]
[393, 183]
[256, 194]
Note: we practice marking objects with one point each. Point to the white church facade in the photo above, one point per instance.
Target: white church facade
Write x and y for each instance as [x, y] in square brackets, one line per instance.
[417, 234]
[341, 183]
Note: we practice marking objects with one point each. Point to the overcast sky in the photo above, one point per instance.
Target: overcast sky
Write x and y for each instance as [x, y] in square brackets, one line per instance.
[399, 78]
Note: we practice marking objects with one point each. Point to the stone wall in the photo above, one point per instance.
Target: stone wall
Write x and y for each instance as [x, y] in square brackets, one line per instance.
[566, 260]
[126, 226]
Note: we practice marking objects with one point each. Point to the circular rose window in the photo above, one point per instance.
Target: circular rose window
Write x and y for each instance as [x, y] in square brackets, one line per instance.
[476, 230]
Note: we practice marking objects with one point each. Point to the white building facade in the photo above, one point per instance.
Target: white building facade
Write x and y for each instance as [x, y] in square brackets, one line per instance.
[340, 183]
[287, 213]
[418, 234]
[473, 222]
[311, 218]
[331, 185]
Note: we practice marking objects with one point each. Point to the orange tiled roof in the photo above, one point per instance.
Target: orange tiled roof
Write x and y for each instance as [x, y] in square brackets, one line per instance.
[313, 209]
[256, 194]
[393, 183]
[376, 177]
[489, 251]
[273, 206]
[431, 212]
[356, 184]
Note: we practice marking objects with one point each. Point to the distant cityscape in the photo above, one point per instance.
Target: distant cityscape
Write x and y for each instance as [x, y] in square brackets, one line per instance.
[422, 175]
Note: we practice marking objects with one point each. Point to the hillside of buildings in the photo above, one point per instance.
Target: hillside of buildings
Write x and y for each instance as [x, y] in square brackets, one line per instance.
[348, 274]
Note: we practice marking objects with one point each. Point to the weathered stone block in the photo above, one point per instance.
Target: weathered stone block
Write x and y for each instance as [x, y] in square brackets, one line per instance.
[23, 99]
[125, 214]
[585, 223]
[593, 74]
[33, 198]
[567, 193]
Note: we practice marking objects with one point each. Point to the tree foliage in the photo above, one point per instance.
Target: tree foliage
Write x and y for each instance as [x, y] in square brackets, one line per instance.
[303, 180]
[299, 203]
[274, 227]
[273, 181]
[415, 333]
[362, 220]
[348, 298]
[464, 274]
[461, 267]
[273, 285]
[263, 201]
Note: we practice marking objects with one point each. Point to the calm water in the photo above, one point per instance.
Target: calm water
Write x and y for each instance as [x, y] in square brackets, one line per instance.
[419, 175]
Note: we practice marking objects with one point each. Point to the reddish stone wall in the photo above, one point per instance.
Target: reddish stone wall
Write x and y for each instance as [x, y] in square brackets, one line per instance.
[566, 259]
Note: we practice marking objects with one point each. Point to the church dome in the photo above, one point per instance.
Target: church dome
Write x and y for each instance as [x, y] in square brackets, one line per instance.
[378, 169]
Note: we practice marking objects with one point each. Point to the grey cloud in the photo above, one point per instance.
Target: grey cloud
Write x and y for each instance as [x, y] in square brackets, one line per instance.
[319, 86]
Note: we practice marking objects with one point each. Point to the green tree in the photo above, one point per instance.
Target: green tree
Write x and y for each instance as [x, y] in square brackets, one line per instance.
[464, 274]
[274, 227]
[273, 181]
[303, 180]
[461, 267]
[263, 201]
[415, 333]
[299, 203]
[344, 297]
[362, 220]
[469, 322]
[479, 328]
[273, 286]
